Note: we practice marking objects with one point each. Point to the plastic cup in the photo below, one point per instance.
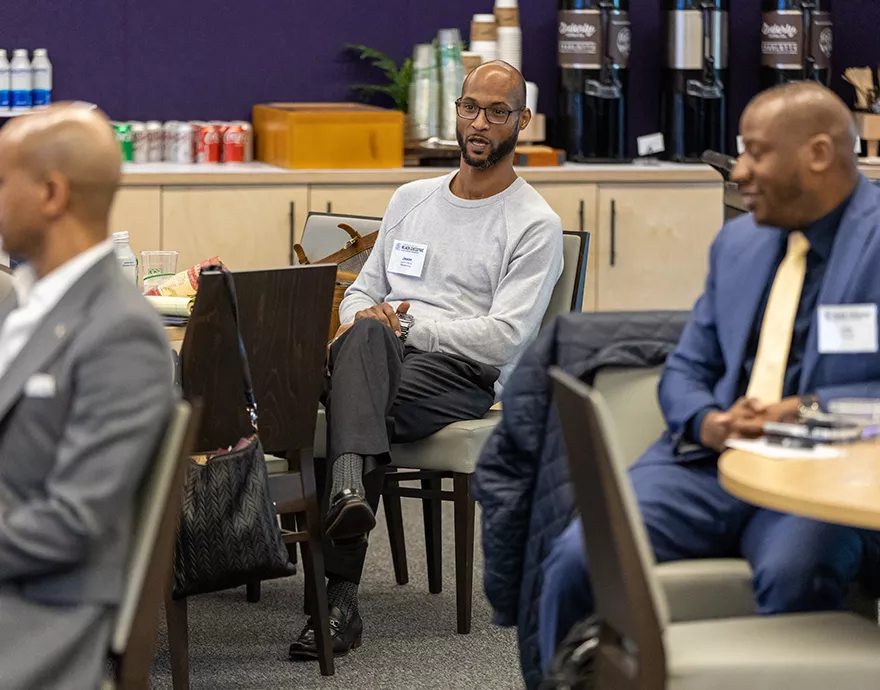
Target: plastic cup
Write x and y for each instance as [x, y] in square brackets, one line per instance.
[157, 266]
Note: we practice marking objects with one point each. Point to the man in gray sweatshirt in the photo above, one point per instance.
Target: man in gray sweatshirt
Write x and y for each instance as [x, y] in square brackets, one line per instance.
[453, 292]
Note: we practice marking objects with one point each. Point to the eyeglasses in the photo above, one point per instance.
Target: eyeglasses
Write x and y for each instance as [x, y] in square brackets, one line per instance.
[495, 115]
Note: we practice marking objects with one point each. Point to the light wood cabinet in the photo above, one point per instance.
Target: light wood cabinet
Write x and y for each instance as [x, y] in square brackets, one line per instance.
[576, 205]
[653, 244]
[139, 211]
[247, 227]
[360, 200]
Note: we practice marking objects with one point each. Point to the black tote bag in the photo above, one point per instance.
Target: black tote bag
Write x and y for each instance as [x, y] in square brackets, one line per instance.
[228, 534]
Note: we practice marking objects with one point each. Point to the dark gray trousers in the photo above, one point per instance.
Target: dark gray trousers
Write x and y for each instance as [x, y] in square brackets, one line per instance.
[379, 392]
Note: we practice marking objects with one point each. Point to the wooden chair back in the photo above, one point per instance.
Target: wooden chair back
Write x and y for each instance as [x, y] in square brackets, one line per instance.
[629, 602]
[149, 565]
[284, 316]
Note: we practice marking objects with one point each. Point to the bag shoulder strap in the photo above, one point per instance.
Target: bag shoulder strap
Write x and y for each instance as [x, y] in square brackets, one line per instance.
[250, 398]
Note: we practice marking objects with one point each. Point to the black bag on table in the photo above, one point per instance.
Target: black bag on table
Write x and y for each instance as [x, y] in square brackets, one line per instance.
[228, 534]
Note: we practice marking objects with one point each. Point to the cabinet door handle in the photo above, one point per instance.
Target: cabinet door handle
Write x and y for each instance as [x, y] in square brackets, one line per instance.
[581, 216]
[613, 232]
[291, 219]
[329, 207]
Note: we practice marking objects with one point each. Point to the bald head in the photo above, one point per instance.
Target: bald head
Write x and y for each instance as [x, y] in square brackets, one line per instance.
[802, 110]
[798, 164]
[499, 76]
[77, 147]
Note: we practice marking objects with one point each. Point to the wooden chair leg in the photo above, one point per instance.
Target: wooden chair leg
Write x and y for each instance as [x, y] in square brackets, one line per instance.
[394, 520]
[463, 502]
[313, 563]
[253, 592]
[178, 641]
[432, 511]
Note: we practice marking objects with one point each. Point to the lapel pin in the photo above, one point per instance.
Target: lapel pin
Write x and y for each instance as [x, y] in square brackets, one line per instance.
[60, 331]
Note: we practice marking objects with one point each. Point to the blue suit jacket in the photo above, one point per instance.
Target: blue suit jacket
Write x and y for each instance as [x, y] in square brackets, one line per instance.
[706, 366]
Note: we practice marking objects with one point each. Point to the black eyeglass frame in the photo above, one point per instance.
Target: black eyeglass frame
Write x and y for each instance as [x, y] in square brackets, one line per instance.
[458, 104]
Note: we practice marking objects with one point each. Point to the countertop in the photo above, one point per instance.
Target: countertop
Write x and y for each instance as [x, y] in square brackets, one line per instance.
[149, 174]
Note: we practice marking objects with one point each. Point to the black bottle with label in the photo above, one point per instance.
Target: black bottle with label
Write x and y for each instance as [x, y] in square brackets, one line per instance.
[796, 41]
[695, 78]
[594, 42]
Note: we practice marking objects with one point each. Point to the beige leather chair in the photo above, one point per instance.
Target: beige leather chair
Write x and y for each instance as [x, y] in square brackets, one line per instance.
[149, 566]
[696, 589]
[322, 235]
[639, 646]
[452, 453]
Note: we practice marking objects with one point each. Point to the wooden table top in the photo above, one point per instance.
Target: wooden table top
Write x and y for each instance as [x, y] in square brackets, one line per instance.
[838, 490]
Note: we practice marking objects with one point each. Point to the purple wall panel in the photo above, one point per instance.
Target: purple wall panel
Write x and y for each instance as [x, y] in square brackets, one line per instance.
[214, 58]
[85, 39]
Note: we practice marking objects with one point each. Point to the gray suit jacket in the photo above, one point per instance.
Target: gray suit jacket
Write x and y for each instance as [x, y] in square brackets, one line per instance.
[72, 458]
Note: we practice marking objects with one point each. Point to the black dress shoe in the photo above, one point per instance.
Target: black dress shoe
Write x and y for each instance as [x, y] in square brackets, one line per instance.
[343, 637]
[349, 518]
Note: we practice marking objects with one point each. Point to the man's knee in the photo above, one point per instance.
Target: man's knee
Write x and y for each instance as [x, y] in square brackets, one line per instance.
[800, 579]
[370, 329]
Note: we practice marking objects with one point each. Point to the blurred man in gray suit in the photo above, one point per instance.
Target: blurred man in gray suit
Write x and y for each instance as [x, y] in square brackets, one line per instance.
[85, 393]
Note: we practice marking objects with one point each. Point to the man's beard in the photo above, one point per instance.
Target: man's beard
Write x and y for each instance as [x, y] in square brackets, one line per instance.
[497, 153]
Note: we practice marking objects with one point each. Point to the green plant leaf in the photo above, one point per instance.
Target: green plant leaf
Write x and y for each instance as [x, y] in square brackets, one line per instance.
[378, 58]
[398, 78]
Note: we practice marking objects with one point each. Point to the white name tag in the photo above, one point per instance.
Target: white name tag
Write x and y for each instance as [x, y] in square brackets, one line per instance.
[848, 329]
[40, 386]
[407, 258]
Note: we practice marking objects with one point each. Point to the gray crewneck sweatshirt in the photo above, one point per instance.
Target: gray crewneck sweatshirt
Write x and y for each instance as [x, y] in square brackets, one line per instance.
[489, 269]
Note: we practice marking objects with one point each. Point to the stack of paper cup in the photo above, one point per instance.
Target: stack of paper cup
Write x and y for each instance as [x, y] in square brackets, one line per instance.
[484, 36]
[509, 32]
[451, 78]
[424, 100]
[532, 96]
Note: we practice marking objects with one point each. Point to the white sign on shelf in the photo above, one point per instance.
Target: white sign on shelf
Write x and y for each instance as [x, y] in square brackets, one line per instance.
[740, 145]
[651, 144]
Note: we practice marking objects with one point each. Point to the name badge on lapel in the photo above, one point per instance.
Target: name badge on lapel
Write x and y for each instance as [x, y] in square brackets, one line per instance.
[848, 329]
[407, 258]
[40, 386]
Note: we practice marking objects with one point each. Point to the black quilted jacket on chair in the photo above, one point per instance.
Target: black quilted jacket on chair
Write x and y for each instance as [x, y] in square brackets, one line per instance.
[521, 478]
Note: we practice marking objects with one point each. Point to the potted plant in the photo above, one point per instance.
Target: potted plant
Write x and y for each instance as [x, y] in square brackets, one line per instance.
[397, 78]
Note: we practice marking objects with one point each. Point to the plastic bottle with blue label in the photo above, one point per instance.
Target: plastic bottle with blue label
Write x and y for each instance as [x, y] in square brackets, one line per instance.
[22, 80]
[41, 95]
[5, 83]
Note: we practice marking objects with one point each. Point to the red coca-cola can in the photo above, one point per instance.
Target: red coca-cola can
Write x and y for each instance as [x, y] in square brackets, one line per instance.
[210, 144]
[248, 131]
[234, 144]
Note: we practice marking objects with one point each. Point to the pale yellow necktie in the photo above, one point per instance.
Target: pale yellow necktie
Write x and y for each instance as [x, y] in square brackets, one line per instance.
[768, 373]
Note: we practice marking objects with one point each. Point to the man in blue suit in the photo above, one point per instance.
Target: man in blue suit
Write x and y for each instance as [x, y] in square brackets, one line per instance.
[770, 336]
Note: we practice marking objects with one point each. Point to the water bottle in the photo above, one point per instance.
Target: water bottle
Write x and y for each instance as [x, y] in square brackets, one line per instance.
[5, 83]
[126, 257]
[42, 75]
[22, 80]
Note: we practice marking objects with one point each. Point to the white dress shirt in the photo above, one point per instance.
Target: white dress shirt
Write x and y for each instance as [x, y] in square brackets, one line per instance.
[36, 298]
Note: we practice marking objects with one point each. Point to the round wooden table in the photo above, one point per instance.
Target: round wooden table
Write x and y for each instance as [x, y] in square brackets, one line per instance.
[843, 490]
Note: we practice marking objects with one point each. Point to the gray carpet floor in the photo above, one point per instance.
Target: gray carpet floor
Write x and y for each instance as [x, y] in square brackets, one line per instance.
[409, 634]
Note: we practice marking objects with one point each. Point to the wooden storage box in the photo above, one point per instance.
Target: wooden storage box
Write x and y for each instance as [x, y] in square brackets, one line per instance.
[328, 135]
